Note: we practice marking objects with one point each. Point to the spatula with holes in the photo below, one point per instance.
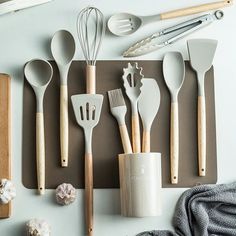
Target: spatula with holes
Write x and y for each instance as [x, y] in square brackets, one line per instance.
[87, 109]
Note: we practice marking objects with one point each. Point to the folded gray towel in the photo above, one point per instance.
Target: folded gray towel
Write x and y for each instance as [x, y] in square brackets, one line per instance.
[204, 210]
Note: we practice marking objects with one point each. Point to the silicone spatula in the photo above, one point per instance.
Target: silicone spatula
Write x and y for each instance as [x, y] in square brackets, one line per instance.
[201, 53]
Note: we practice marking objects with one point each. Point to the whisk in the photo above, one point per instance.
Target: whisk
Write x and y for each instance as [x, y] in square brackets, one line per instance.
[90, 30]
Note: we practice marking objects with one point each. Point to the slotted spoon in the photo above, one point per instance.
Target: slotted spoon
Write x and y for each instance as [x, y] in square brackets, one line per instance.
[123, 24]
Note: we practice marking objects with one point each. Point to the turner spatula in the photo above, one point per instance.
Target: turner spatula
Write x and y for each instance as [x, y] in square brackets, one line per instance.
[201, 53]
[87, 109]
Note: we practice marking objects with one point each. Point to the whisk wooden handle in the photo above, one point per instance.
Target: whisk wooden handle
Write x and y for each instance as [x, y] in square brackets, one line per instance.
[91, 79]
[89, 193]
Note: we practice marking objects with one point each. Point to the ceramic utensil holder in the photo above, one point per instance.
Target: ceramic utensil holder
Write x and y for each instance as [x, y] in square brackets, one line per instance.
[140, 184]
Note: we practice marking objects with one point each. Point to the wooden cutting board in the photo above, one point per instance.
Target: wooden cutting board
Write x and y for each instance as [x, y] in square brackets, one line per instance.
[5, 136]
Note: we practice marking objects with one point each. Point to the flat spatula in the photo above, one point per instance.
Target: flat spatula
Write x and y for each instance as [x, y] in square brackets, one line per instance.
[148, 105]
[87, 109]
[201, 53]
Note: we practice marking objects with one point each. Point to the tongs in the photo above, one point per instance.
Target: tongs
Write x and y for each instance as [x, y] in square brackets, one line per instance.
[173, 34]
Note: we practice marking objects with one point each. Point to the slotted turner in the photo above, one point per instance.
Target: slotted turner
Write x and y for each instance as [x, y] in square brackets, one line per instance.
[87, 109]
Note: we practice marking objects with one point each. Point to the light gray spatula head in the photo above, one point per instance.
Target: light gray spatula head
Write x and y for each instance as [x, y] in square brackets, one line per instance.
[149, 102]
[201, 53]
[87, 109]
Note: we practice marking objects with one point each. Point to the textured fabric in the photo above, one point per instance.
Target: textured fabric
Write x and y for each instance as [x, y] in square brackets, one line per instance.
[205, 210]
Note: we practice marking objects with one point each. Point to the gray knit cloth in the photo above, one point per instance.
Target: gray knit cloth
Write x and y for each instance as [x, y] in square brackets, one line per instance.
[204, 210]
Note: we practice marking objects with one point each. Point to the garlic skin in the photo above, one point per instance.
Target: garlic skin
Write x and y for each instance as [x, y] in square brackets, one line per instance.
[38, 227]
[7, 191]
[65, 194]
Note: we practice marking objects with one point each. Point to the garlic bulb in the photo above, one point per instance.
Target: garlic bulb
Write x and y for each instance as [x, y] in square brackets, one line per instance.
[65, 194]
[7, 191]
[37, 227]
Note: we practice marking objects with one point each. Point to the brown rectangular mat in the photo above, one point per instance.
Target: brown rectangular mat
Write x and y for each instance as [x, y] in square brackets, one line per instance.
[106, 139]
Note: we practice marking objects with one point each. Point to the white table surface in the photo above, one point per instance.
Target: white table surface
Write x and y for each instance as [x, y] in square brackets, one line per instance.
[26, 34]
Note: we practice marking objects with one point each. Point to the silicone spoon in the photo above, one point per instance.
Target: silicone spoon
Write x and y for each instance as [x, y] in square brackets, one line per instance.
[174, 73]
[63, 51]
[39, 73]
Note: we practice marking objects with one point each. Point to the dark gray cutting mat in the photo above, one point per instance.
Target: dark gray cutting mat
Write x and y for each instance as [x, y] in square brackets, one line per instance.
[106, 140]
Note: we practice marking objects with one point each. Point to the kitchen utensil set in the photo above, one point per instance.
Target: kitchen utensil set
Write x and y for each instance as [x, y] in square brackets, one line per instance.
[144, 95]
[174, 73]
[166, 37]
[123, 24]
[201, 53]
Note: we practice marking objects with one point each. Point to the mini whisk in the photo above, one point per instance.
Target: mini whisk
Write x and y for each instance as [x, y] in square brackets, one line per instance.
[91, 30]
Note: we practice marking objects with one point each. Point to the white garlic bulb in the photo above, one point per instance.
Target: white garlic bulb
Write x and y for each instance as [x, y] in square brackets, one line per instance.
[7, 191]
[65, 194]
[37, 227]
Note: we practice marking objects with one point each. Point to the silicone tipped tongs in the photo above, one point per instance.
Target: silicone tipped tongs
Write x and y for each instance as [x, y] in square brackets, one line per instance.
[172, 34]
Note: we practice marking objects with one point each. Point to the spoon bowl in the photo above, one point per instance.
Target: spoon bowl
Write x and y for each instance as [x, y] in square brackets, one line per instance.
[174, 71]
[38, 73]
[63, 47]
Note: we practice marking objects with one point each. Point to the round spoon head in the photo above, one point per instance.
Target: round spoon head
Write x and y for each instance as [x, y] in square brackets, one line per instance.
[174, 71]
[123, 24]
[38, 73]
[63, 47]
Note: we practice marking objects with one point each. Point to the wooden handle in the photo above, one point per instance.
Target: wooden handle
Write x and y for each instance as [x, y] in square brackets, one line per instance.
[89, 193]
[64, 126]
[136, 134]
[90, 79]
[174, 143]
[201, 136]
[125, 139]
[146, 141]
[5, 137]
[195, 9]
[40, 152]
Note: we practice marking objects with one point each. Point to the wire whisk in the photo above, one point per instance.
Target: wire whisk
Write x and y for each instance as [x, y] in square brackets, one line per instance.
[91, 30]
